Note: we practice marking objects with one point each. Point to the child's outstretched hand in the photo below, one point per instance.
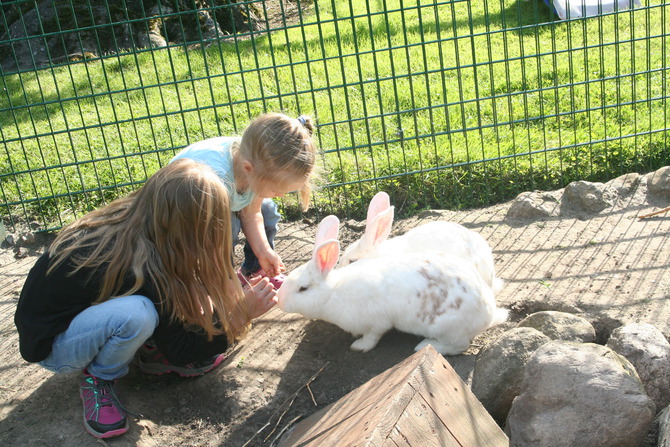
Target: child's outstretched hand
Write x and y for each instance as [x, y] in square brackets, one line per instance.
[272, 264]
[260, 296]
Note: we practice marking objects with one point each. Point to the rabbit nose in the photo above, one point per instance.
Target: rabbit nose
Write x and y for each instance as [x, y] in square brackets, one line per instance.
[281, 297]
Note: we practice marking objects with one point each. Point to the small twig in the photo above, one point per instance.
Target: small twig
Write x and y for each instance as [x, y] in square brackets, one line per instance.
[306, 385]
[312, 395]
[290, 402]
[281, 417]
[283, 430]
[644, 216]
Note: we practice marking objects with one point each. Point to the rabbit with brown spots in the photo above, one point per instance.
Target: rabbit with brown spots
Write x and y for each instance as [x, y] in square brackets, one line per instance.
[428, 293]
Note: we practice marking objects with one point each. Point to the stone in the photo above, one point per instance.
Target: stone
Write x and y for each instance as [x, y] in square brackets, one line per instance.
[27, 239]
[498, 371]
[645, 346]
[579, 394]
[533, 205]
[589, 197]
[561, 326]
[625, 184]
[658, 182]
[21, 253]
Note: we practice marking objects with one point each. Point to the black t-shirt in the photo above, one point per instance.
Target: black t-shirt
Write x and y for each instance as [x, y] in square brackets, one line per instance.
[48, 303]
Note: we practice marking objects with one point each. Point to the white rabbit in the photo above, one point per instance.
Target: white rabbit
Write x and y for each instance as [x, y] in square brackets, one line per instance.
[427, 293]
[448, 237]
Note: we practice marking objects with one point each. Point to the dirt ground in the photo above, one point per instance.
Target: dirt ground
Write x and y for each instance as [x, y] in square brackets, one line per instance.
[610, 268]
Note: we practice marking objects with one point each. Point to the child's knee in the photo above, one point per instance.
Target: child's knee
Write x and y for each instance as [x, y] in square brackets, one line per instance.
[150, 314]
[270, 213]
[142, 315]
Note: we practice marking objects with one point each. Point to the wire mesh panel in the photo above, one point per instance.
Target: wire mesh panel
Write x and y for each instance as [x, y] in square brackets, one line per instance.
[440, 103]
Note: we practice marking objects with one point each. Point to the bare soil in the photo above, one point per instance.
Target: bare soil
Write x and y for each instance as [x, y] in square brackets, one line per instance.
[610, 268]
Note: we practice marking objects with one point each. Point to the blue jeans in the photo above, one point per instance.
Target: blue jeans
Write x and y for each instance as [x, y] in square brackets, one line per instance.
[104, 337]
[271, 218]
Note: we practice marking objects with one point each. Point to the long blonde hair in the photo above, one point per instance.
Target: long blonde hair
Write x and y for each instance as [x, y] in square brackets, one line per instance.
[281, 148]
[173, 232]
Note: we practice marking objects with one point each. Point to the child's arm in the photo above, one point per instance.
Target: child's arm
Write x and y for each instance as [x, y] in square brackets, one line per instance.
[181, 346]
[254, 230]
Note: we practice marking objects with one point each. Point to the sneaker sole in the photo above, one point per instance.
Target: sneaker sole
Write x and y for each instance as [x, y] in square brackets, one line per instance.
[108, 434]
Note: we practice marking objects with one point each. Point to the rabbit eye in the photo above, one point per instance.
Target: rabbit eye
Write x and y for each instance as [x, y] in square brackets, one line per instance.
[302, 289]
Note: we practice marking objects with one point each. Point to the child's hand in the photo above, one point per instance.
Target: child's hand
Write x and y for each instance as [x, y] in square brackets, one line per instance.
[272, 264]
[260, 296]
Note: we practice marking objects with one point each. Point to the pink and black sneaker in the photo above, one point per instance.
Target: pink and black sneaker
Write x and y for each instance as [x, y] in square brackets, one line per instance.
[276, 281]
[152, 361]
[104, 416]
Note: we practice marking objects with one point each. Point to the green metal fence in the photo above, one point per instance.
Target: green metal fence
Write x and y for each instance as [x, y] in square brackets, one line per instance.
[444, 104]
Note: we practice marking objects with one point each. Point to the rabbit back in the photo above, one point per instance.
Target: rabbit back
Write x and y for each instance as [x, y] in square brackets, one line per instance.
[426, 293]
[447, 237]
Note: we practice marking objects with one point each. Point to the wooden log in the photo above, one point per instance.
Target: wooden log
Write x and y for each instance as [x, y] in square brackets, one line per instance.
[420, 402]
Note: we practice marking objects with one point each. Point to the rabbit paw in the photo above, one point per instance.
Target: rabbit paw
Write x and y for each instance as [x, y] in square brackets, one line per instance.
[366, 342]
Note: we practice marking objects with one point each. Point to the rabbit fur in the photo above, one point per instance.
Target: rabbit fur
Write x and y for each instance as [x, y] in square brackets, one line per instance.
[448, 237]
[429, 293]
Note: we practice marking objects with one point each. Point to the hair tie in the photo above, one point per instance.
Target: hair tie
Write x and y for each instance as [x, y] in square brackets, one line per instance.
[302, 120]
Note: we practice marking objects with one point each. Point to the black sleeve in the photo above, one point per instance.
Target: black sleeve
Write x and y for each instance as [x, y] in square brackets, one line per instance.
[180, 345]
[47, 305]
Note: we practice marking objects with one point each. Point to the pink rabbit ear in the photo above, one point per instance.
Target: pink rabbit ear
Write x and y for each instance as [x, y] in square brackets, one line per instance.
[379, 203]
[326, 256]
[380, 227]
[329, 228]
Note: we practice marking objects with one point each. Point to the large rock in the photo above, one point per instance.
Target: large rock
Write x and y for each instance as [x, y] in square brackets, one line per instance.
[625, 184]
[658, 182]
[579, 394]
[589, 197]
[496, 379]
[533, 205]
[561, 326]
[645, 346]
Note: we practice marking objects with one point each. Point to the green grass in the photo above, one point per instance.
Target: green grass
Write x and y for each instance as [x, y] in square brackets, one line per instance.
[453, 104]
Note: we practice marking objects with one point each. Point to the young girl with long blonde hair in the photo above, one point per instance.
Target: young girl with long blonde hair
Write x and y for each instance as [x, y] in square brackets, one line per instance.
[157, 264]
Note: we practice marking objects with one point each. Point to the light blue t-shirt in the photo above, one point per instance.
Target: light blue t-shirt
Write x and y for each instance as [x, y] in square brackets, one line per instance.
[216, 153]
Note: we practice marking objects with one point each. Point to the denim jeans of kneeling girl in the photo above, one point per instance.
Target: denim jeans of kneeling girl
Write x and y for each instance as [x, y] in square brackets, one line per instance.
[104, 338]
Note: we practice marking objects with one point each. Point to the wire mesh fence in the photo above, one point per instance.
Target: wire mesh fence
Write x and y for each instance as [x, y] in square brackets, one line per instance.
[443, 104]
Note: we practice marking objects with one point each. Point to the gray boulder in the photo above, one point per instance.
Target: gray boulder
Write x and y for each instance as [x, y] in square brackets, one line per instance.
[533, 205]
[625, 184]
[645, 346]
[561, 326]
[589, 197]
[579, 394]
[498, 371]
[658, 182]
